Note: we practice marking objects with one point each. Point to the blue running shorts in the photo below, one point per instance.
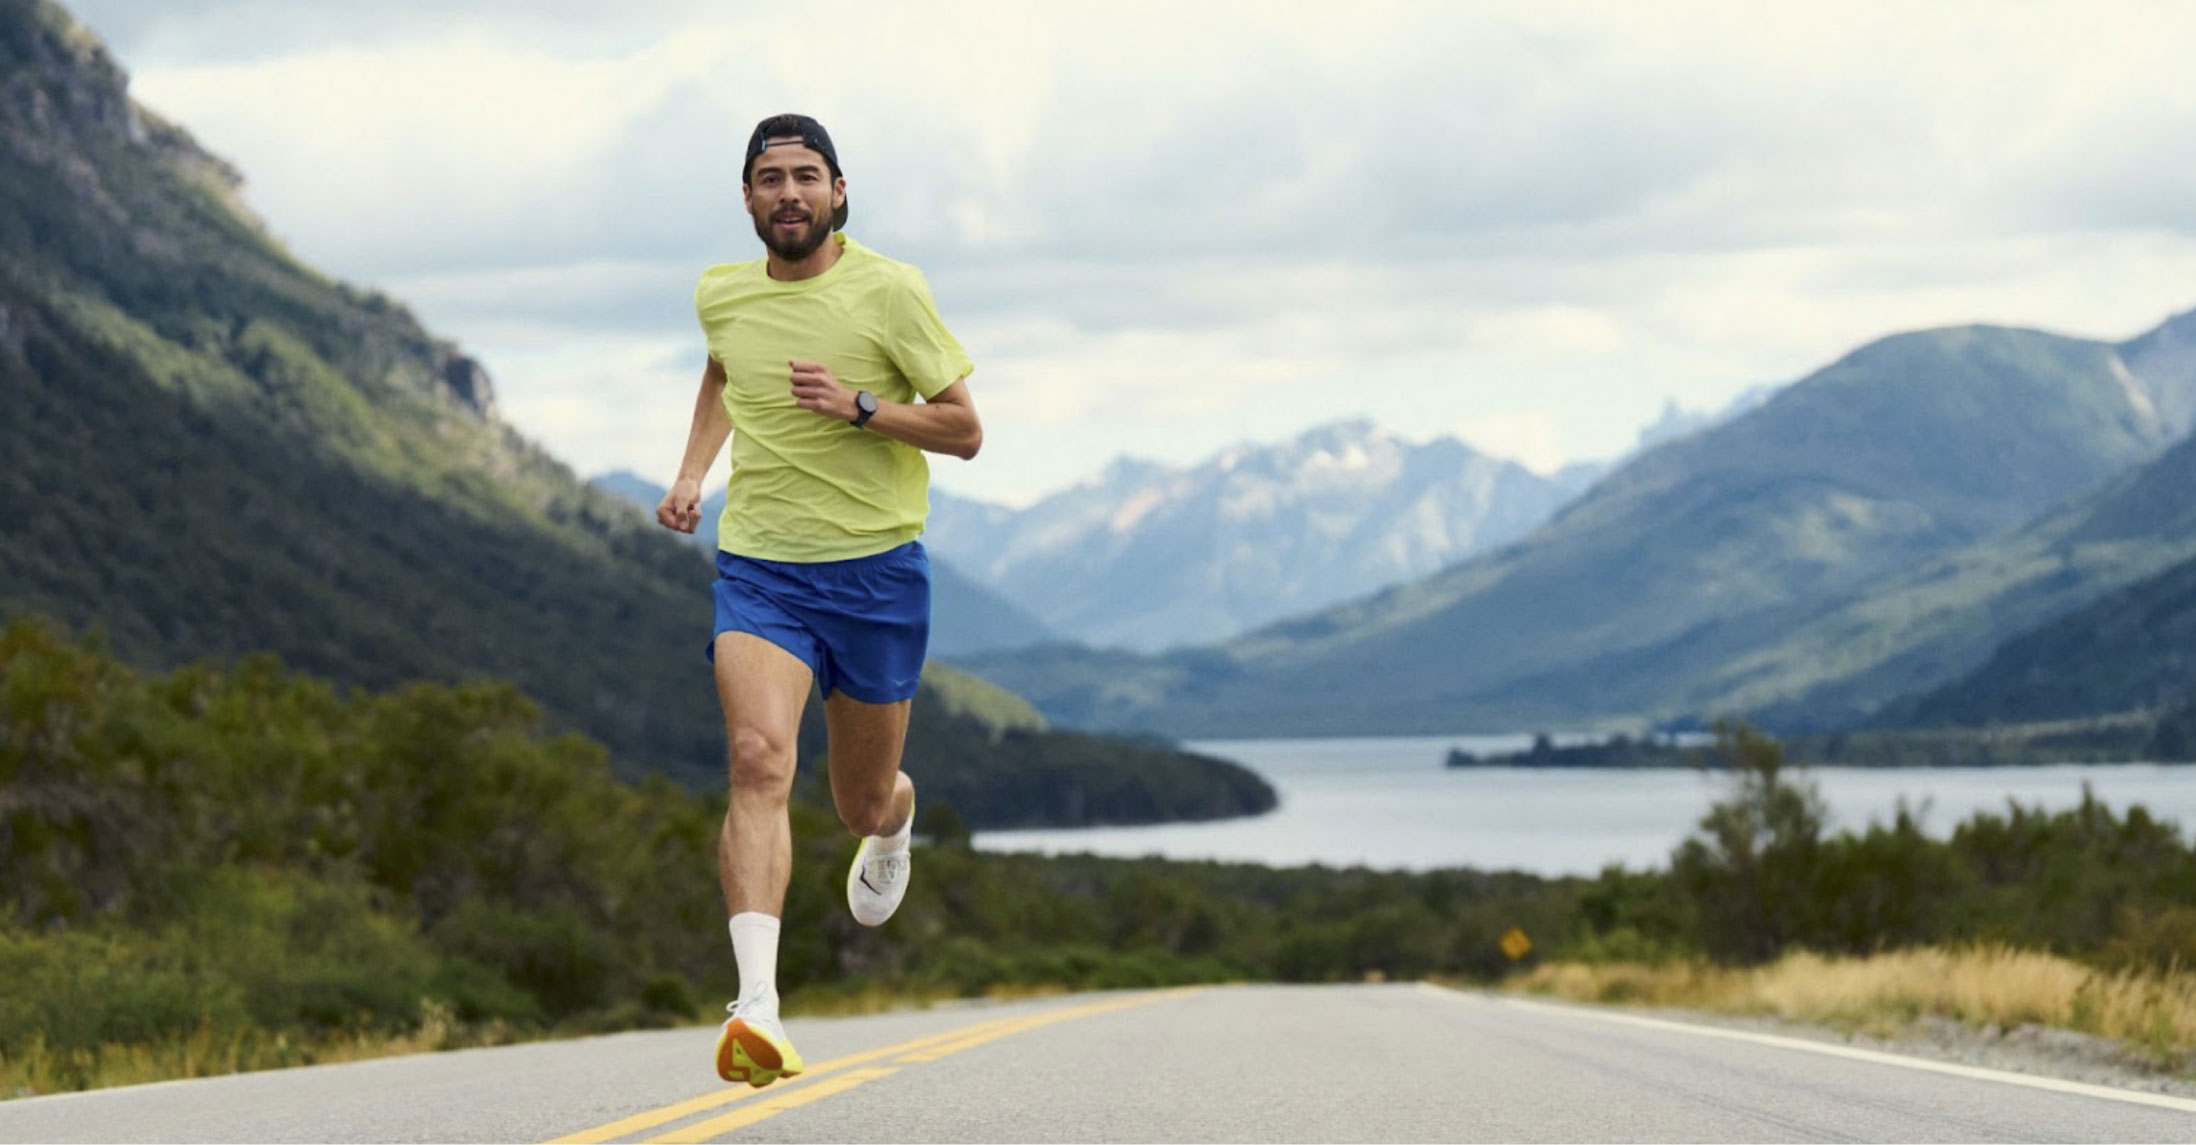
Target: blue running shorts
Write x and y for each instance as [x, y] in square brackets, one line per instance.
[862, 626]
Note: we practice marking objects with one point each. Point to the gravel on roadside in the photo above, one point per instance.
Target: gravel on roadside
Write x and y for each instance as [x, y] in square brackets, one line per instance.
[2031, 1049]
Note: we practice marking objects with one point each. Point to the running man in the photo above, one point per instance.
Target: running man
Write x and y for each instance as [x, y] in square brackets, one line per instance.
[818, 352]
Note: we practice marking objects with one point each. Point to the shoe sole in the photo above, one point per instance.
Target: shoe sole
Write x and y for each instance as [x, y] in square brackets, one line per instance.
[747, 1054]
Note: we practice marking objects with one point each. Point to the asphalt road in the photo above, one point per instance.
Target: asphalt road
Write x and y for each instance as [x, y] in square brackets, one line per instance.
[1249, 1063]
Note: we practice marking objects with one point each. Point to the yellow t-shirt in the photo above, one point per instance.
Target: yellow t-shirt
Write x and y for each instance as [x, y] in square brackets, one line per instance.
[806, 487]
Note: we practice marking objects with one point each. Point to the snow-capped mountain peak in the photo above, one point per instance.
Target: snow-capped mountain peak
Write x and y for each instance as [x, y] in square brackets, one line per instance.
[1151, 556]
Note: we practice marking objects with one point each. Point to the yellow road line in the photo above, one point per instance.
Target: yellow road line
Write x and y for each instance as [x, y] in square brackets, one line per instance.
[800, 1091]
[649, 1119]
[779, 1103]
[979, 1037]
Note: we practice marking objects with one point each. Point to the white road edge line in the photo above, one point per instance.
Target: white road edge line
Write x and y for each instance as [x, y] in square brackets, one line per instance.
[1979, 1073]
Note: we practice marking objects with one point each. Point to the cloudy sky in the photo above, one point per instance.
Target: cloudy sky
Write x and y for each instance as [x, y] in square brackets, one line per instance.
[1161, 229]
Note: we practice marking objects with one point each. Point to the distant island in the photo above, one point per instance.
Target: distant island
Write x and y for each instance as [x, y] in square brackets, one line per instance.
[2166, 737]
[1620, 751]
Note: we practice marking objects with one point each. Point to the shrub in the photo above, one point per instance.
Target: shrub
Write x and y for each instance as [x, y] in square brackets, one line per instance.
[553, 955]
[1752, 877]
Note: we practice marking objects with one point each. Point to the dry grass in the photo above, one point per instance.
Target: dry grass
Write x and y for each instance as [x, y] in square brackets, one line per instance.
[35, 1069]
[1982, 986]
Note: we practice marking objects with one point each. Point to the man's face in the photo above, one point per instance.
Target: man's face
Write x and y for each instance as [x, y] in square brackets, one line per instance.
[792, 196]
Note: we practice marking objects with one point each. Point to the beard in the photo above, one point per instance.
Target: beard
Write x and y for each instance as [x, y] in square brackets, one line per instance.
[801, 245]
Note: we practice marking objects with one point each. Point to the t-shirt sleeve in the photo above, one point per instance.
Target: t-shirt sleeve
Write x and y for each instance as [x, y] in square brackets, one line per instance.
[701, 314]
[924, 351]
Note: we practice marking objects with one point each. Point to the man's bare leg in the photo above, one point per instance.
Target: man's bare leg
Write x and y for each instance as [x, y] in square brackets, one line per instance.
[876, 800]
[873, 795]
[763, 688]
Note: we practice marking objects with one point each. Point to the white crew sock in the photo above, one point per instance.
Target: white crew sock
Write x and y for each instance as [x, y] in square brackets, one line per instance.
[755, 950]
[897, 841]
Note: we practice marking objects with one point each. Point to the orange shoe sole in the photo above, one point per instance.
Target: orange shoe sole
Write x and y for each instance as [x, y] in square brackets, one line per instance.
[747, 1054]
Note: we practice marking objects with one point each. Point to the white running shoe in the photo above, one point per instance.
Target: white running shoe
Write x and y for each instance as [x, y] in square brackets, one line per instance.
[876, 884]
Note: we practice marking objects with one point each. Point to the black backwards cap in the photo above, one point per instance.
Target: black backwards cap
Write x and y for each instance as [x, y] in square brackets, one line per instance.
[812, 135]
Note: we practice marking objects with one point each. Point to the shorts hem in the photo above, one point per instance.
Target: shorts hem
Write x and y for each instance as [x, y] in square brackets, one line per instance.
[709, 650]
[840, 686]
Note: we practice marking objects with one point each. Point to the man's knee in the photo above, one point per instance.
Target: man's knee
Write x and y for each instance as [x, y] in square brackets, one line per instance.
[864, 812]
[762, 764]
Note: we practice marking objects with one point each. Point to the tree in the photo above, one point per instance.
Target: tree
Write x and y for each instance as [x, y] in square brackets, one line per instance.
[1751, 870]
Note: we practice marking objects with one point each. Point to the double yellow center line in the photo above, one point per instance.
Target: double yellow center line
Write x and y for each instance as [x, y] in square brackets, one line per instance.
[833, 1077]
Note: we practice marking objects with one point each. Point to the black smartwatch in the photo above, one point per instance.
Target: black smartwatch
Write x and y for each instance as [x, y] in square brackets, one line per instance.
[865, 402]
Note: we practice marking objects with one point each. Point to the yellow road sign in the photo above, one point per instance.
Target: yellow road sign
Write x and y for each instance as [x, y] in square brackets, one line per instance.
[1516, 945]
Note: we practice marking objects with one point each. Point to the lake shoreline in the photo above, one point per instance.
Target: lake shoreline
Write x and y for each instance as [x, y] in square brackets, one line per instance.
[2027, 745]
[1389, 804]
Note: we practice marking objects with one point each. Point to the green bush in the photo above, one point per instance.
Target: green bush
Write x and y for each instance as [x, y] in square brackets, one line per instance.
[565, 964]
[72, 991]
[1751, 872]
[305, 954]
[669, 997]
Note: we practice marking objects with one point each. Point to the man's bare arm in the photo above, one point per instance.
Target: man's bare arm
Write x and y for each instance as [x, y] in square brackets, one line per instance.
[945, 423]
[681, 506]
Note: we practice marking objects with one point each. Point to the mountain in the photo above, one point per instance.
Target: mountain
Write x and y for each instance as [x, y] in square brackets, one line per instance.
[631, 487]
[1935, 623]
[2131, 647]
[2132, 651]
[212, 450]
[1148, 556]
[1678, 422]
[1634, 600]
[966, 617]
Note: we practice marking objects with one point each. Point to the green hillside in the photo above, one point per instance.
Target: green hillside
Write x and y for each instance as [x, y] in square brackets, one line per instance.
[1942, 620]
[212, 450]
[215, 450]
[1631, 603]
[2131, 651]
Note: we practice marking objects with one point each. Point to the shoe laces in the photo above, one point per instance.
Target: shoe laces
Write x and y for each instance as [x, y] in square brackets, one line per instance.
[753, 1008]
[888, 869]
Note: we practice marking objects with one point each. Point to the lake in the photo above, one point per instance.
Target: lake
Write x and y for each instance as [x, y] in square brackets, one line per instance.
[1389, 803]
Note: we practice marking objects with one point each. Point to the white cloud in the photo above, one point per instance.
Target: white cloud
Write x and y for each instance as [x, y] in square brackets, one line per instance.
[1162, 228]
[1532, 438]
[610, 403]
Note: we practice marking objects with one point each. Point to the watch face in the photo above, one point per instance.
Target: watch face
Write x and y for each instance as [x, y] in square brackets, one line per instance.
[865, 401]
